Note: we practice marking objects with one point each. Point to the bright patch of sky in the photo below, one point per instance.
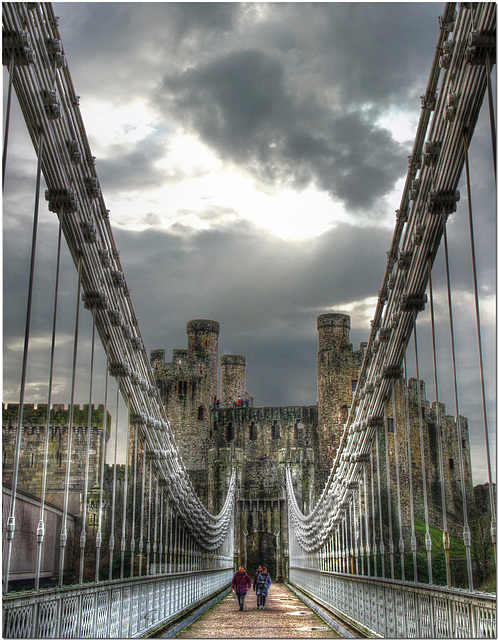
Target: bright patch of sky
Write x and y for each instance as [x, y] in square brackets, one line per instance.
[362, 311]
[109, 124]
[401, 124]
[196, 181]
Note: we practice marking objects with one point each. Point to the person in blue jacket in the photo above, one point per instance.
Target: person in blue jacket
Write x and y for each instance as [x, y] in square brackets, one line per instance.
[260, 569]
[262, 585]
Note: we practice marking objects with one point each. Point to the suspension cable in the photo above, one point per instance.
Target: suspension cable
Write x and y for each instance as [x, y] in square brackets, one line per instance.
[87, 461]
[161, 521]
[133, 518]
[154, 544]
[479, 340]
[362, 550]
[11, 522]
[98, 539]
[149, 507]
[125, 497]
[398, 489]
[7, 119]
[428, 542]
[374, 537]
[439, 430]
[113, 507]
[388, 482]
[141, 541]
[365, 499]
[63, 536]
[41, 525]
[466, 529]
[413, 541]
[381, 544]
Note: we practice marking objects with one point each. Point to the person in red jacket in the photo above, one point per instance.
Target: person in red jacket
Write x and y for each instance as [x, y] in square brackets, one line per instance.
[241, 583]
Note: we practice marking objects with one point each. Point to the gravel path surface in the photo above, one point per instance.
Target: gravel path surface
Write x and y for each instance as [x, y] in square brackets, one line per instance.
[284, 616]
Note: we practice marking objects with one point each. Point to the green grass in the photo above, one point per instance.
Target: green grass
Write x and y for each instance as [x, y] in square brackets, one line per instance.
[457, 548]
[489, 586]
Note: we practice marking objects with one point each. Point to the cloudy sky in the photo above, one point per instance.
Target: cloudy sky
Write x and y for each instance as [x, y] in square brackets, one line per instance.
[252, 157]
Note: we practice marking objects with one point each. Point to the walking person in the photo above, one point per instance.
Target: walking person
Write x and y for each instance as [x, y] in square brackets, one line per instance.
[241, 582]
[260, 569]
[262, 586]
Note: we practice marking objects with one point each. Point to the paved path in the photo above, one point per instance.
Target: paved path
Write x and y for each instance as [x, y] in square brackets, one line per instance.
[284, 616]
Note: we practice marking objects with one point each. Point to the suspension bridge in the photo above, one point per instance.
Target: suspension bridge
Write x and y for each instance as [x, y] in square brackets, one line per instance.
[349, 552]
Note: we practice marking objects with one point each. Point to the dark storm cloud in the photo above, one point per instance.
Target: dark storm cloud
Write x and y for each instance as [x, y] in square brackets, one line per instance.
[378, 52]
[131, 166]
[242, 106]
[289, 92]
[202, 17]
[107, 42]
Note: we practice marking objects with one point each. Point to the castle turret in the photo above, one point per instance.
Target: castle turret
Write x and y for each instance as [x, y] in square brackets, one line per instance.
[333, 330]
[233, 377]
[337, 371]
[202, 336]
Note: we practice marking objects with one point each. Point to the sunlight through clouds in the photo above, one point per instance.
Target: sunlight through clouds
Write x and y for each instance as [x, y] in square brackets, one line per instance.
[111, 123]
[207, 183]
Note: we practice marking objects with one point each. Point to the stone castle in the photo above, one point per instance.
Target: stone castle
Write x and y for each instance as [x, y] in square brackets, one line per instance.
[218, 426]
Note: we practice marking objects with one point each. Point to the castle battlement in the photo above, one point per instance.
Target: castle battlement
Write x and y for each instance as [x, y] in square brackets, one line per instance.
[36, 415]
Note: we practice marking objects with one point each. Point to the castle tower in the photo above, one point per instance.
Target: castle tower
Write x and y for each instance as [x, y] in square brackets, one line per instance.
[233, 378]
[337, 372]
[202, 343]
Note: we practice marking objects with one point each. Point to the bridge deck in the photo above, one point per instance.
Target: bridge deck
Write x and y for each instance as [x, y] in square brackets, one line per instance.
[284, 616]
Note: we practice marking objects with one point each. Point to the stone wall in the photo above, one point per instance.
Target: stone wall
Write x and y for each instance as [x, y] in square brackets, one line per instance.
[25, 547]
[33, 448]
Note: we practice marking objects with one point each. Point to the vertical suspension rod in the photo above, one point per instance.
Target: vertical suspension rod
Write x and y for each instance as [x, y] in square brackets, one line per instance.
[479, 337]
[413, 541]
[389, 505]
[161, 520]
[11, 522]
[141, 541]
[41, 524]
[365, 499]
[125, 495]
[428, 542]
[149, 507]
[98, 539]
[87, 460]
[113, 507]
[398, 489]
[362, 550]
[466, 529]
[382, 548]
[446, 535]
[63, 536]
[132, 542]
[374, 538]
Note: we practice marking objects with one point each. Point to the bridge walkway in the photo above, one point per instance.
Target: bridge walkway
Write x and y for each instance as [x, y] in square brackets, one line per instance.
[284, 616]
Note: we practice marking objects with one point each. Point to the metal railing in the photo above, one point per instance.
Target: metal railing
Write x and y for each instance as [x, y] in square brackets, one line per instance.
[395, 609]
[115, 609]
